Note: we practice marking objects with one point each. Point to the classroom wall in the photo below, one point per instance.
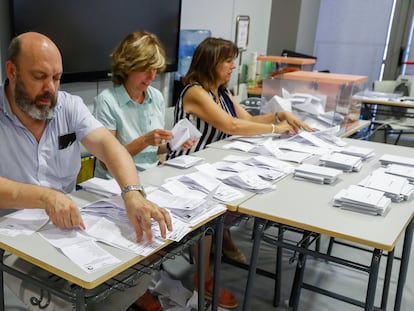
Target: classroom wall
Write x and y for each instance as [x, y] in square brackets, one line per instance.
[217, 15]
[4, 35]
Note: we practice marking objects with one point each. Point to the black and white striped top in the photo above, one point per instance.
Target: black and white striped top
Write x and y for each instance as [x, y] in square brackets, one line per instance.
[209, 134]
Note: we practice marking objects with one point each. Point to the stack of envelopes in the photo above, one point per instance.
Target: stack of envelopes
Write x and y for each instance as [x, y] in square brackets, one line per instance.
[362, 200]
[397, 188]
[341, 161]
[317, 174]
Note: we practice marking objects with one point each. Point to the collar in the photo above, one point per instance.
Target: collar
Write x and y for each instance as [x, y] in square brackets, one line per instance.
[124, 98]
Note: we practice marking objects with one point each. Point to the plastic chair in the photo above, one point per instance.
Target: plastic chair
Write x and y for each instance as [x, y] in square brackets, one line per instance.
[252, 105]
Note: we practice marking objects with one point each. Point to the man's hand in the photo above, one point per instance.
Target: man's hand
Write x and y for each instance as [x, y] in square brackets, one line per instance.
[62, 211]
[140, 212]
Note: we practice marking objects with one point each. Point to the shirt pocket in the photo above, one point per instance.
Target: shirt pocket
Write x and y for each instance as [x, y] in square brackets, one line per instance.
[68, 162]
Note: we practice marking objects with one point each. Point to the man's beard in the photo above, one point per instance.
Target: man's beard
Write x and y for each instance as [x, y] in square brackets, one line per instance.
[29, 105]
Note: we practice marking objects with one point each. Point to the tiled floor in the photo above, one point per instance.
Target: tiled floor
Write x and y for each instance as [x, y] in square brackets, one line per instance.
[327, 275]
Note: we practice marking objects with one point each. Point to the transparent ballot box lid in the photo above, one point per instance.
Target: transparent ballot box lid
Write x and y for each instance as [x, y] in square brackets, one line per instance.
[321, 99]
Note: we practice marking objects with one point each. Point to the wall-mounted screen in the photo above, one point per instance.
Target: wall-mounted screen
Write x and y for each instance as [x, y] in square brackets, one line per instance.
[87, 31]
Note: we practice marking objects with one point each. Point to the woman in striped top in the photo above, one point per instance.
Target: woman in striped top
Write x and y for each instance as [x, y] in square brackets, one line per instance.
[207, 103]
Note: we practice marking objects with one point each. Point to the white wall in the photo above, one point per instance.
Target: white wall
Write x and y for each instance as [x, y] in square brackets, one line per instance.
[220, 16]
[217, 15]
[4, 36]
[351, 35]
[308, 21]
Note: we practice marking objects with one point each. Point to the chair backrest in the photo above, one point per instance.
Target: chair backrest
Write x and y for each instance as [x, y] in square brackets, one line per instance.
[290, 53]
[169, 118]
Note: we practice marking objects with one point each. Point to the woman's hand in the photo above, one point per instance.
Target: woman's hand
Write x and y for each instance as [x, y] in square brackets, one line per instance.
[189, 143]
[157, 137]
[295, 123]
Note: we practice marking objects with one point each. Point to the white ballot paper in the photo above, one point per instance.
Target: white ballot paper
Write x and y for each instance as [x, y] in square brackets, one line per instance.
[23, 222]
[184, 161]
[104, 187]
[182, 131]
[79, 248]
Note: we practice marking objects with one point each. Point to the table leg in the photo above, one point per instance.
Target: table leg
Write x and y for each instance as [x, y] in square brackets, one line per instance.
[299, 273]
[387, 279]
[278, 270]
[201, 276]
[257, 234]
[217, 261]
[405, 257]
[2, 306]
[373, 278]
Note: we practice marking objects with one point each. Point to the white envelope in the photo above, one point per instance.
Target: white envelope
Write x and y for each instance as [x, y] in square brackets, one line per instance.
[182, 131]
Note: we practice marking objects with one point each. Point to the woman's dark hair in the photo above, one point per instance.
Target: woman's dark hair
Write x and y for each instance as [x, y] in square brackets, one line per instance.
[209, 53]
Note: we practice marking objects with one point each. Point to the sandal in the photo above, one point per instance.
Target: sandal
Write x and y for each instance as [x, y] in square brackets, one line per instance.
[226, 298]
[235, 255]
[147, 302]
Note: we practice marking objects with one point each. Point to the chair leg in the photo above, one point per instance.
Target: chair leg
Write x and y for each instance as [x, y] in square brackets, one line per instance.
[398, 137]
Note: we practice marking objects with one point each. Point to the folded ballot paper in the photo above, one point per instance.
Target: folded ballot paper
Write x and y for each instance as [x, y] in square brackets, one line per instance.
[317, 174]
[103, 187]
[184, 161]
[182, 131]
[396, 188]
[362, 200]
[340, 161]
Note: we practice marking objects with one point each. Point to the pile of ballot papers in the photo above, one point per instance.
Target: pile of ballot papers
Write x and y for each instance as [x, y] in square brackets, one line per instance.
[266, 167]
[341, 161]
[394, 159]
[184, 161]
[247, 180]
[317, 174]
[362, 200]
[395, 187]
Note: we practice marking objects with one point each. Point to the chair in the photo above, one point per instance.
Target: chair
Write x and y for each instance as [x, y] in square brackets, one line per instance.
[290, 53]
[252, 105]
[169, 118]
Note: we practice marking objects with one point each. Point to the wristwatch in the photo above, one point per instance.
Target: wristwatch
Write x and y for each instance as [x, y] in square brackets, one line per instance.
[133, 188]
